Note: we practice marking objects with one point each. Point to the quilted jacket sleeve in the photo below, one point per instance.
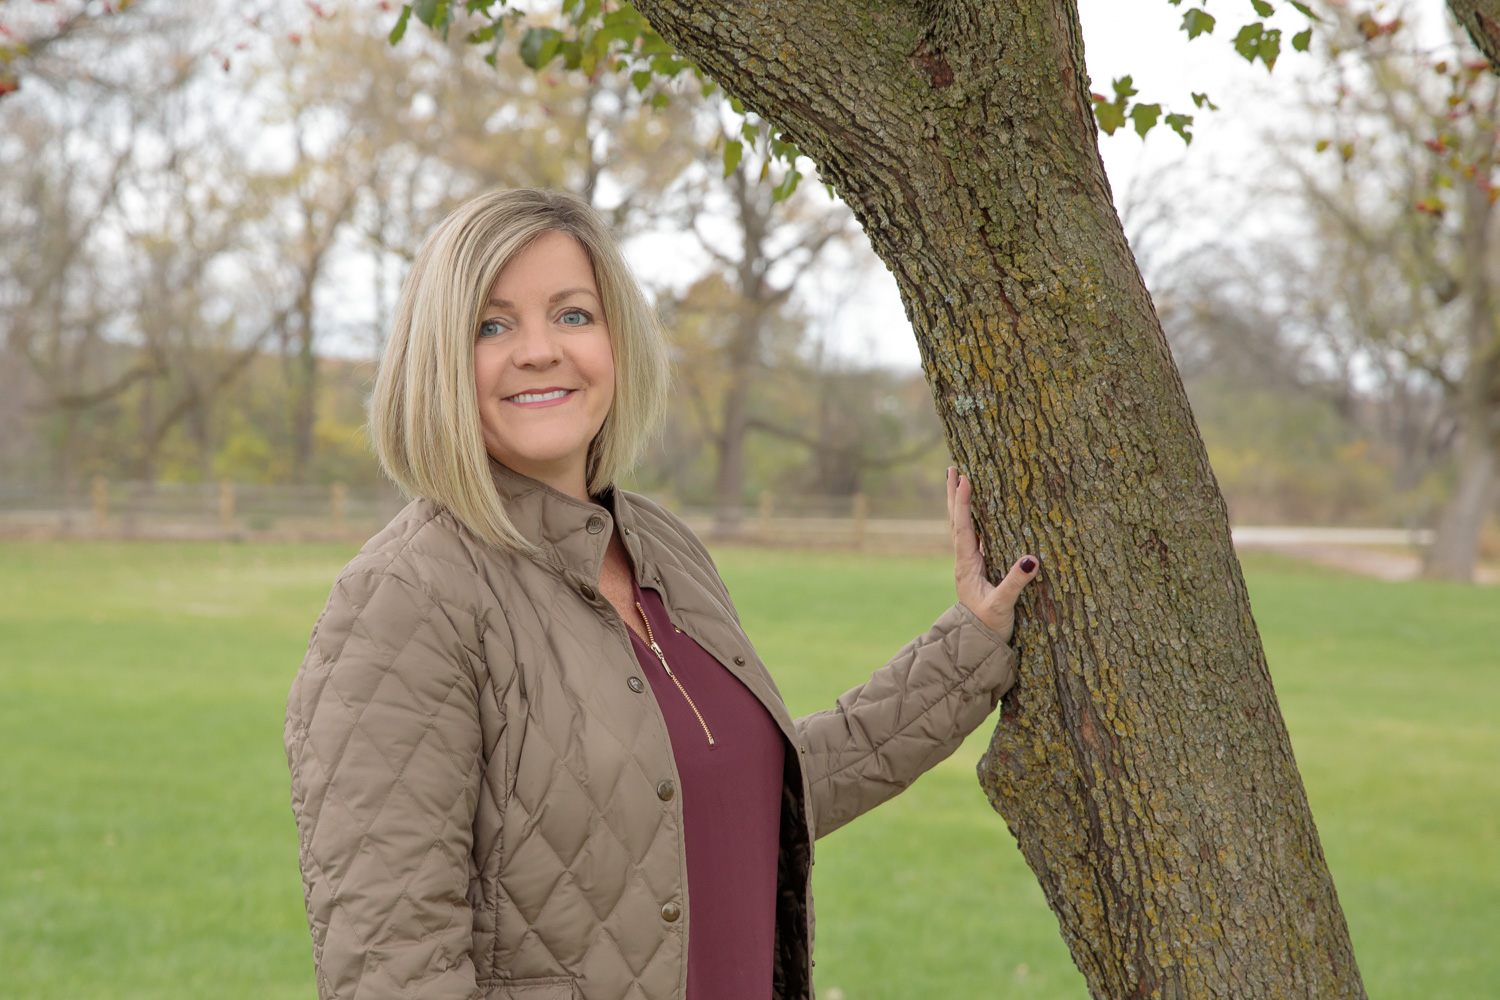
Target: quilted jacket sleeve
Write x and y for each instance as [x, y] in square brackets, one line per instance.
[911, 714]
[383, 741]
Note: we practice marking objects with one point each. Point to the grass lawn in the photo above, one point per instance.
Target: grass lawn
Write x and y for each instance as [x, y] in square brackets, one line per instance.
[150, 853]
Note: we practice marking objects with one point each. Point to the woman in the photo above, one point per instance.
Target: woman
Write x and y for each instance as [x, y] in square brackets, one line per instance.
[531, 748]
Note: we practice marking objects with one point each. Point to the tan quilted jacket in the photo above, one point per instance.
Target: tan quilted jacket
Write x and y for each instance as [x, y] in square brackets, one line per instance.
[474, 771]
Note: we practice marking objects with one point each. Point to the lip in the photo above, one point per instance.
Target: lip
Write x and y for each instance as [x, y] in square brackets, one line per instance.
[538, 404]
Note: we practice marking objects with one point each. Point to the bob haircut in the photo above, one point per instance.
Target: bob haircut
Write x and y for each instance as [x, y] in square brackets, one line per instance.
[424, 413]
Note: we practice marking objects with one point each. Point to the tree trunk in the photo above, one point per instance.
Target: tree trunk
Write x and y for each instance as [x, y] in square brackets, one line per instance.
[744, 351]
[1454, 553]
[1481, 19]
[1142, 763]
[304, 369]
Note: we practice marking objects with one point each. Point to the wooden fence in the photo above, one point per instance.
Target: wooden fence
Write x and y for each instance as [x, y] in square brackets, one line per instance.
[336, 512]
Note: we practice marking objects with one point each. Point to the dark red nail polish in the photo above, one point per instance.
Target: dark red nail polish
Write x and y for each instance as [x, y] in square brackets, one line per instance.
[1028, 564]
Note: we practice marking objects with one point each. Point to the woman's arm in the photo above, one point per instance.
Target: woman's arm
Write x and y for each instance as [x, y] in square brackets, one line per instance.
[917, 709]
[911, 714]
[383, 741]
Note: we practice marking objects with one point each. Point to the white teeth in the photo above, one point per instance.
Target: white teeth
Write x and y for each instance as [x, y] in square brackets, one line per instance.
[537, 397]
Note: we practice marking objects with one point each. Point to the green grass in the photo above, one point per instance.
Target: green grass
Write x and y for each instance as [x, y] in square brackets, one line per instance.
[149, 848]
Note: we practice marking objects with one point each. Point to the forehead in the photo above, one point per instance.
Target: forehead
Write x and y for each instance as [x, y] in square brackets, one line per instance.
[550, 263]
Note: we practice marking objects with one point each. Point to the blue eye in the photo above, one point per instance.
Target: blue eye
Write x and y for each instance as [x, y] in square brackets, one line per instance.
[584, 319]
[490, 328]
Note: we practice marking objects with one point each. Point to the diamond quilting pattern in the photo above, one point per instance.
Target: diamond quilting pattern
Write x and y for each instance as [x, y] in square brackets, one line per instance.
[458, 828]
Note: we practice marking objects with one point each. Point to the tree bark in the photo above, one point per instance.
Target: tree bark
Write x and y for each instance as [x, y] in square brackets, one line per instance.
[1454, 553]
[1142, 763]
[1481, 19]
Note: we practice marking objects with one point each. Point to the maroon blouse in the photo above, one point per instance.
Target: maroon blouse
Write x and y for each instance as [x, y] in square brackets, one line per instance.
[731, 809]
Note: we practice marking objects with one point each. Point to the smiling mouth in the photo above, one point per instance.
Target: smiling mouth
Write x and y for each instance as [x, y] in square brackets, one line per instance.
[538, 397]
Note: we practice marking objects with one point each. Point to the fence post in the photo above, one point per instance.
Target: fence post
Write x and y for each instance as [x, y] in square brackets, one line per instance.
[861, 514]
[226, 506]
[101, 501]
[767, 508]
[339, 496]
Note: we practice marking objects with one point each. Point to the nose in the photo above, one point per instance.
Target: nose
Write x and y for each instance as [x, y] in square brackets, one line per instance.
[536, 345]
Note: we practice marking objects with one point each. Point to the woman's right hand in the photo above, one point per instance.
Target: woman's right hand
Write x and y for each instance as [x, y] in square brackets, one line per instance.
[995, 605]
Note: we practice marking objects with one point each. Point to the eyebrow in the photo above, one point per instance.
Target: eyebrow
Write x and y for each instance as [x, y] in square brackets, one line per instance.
[554, 297]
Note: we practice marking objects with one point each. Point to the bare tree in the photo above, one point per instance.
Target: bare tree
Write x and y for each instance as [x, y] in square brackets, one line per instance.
[1403, 231]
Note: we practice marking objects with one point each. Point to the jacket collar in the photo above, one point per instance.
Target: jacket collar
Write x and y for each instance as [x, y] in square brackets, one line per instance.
[570, 534]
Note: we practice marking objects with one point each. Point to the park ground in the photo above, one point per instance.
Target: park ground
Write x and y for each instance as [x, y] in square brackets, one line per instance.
[150, 850]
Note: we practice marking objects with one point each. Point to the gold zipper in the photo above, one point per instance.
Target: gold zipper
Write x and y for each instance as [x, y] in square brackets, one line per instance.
[651, 641]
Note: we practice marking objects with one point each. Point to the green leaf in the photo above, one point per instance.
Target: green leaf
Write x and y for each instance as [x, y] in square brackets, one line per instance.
[1262, 8]
[1306, 11]
[1202, 101]
[1180, 124]
[749, 131]
[1144, 116]
[734, 102]
[1247, 42]
[660, 100]
[1197, 22]
[788, 184]
[539, 46]
[572, 53]
[733, 151]
[1301, 40]
[483, 34]
[400, 29]
[1110, 116]
[1124, 87]
[432, 13]
[1269, 48]
[641, 78]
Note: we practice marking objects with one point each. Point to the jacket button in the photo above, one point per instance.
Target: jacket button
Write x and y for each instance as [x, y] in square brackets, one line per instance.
[636, 684]
[587, 592]
[739, 661]
[596, 524]
[670, 912]
[665, 791]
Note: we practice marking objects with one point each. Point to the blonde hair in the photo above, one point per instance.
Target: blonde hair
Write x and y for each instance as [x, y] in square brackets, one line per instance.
[424, 413]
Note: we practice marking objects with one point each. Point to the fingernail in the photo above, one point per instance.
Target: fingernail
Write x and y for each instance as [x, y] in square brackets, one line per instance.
[1028, 564]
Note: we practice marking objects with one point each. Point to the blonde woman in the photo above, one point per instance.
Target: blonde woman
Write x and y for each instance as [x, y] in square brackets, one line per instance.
[533, 754]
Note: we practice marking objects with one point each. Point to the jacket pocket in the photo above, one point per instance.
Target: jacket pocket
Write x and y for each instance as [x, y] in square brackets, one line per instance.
[545, 988]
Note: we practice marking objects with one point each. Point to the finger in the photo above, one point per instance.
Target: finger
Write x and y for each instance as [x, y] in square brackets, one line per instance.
[965, 540]
[1021, 572]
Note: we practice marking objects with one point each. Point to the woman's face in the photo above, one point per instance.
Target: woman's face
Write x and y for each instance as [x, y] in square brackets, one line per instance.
[544, 371]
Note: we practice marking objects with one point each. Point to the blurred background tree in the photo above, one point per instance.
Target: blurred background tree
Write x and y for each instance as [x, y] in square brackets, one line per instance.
[206, 211]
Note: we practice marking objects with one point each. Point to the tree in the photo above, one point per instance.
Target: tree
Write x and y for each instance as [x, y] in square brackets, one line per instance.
[1481, 19]
[768, 237]
[1406, 217]
[1142, 763]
